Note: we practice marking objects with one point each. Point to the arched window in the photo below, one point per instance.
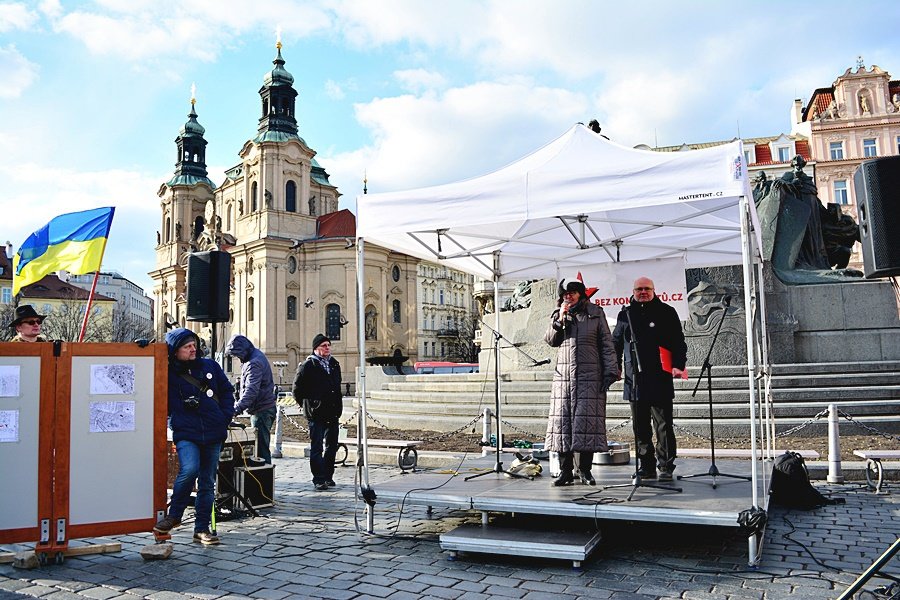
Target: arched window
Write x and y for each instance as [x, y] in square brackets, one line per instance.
[228, 218]
[396, 311]
[290, 196]
[251, 308]
[292, 308]
[253, 197]
[168, 230]
[333, 321]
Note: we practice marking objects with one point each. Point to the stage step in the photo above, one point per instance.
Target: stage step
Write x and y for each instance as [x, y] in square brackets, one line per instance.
[569, 543]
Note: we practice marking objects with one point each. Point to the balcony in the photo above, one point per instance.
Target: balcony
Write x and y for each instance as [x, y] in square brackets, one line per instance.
[448, 333]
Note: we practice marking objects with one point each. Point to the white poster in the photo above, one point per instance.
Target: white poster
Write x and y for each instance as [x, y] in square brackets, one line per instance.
[9, 381]
[111, 416]
[9, 426]
[615, 282]
[112, 379]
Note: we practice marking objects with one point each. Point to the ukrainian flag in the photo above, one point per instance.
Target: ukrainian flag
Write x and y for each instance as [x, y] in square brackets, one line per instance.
[73, 242]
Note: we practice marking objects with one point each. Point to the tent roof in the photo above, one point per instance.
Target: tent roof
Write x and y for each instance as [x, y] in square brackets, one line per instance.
[579, 200]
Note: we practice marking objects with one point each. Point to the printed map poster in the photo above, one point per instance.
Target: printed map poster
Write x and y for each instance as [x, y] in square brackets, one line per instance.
[111, 416]
[9, 426]
[9, 381]
[112, 379]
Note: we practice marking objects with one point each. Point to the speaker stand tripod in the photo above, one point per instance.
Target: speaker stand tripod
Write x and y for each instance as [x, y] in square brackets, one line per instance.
[498, 464]
[707, 367]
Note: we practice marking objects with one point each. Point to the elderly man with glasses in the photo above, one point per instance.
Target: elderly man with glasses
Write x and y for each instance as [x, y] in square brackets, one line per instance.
[27, 325]
[656, 343]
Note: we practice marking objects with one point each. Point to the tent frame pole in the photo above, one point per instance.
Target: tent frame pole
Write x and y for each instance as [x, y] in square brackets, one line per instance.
[362, 440]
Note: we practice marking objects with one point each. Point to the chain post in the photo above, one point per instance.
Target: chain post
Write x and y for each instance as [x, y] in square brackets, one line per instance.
[834, 447]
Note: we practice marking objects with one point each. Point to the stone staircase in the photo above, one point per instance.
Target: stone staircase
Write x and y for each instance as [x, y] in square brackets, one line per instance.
[867, 391]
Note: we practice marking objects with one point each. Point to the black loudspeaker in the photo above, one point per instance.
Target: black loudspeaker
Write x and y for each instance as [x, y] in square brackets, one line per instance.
[877, 186]
[208, 286]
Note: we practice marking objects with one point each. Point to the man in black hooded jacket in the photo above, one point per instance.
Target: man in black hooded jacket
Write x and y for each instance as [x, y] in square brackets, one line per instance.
[317, 387]
[657, 333]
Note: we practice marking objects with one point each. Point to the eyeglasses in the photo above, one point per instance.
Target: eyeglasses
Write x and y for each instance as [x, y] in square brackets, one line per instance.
[643, 289]
[31, 321]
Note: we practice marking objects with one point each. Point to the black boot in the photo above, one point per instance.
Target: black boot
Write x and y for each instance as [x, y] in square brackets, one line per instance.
[586, 478]
[565, 478]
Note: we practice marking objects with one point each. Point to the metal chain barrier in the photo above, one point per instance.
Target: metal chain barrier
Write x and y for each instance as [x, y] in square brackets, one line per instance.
[439, 438]
[514, 428]
[871, 430]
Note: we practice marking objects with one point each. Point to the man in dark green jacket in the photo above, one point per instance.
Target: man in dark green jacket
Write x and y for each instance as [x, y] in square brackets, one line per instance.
[317, 387]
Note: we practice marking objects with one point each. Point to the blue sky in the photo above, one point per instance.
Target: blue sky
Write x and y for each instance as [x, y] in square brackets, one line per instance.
[92, 94]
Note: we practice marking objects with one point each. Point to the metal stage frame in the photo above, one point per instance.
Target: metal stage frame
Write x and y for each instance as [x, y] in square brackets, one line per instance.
[699, 503]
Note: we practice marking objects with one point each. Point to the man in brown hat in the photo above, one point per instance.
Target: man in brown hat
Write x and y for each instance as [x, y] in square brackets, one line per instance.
[28, 325]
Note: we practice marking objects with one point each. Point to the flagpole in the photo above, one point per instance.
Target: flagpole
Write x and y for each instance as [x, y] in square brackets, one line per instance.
[90, 301]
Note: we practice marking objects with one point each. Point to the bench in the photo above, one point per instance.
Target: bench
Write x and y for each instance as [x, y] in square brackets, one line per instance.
[874, 468]
[407, 455]
[738, 453]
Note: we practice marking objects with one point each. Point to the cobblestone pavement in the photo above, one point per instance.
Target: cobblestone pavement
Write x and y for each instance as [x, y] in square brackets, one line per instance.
[308, 546]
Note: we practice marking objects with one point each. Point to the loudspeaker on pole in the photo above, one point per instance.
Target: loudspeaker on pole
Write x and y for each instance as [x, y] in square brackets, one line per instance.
[209, 286]
[877, 186]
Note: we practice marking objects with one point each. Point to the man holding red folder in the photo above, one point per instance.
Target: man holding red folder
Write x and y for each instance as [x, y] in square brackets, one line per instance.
[659, 340]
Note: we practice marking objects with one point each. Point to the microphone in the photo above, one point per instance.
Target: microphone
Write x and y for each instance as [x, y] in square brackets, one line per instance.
[727, 301]
[543, 362]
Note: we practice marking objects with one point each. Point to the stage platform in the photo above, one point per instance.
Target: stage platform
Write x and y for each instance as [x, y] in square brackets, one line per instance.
[698, 502]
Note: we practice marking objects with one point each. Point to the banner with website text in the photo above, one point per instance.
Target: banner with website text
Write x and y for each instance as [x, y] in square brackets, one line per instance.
[614, 283]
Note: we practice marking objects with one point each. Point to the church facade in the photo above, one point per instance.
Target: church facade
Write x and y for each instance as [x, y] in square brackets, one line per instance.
[294, 257]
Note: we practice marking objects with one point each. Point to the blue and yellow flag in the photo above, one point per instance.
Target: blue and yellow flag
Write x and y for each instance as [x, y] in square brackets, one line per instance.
[73, 242]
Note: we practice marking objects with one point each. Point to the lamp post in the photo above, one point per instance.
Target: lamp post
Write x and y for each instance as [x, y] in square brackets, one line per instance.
[280, 365]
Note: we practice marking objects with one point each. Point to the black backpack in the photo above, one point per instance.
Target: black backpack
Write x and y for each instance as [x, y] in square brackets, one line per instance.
[790, 486]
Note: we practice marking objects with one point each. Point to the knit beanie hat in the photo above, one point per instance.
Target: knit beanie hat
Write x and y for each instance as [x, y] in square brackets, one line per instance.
[319, 340]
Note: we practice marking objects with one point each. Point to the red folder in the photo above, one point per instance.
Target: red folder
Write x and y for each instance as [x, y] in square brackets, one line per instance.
[665, 359]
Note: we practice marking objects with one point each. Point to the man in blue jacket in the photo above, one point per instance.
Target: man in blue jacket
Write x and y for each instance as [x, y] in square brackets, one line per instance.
[317, 387]
[257, 391]
[201, 405]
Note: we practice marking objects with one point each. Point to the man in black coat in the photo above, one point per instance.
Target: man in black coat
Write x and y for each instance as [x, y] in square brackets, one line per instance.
[317, 387]
[663, 355]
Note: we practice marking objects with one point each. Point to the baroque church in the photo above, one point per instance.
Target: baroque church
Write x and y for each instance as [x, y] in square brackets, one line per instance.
[294, 259]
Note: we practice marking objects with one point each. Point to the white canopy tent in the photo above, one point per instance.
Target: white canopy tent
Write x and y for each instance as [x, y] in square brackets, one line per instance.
[580, 200]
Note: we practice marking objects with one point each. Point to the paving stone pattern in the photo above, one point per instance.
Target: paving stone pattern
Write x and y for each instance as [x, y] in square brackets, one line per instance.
[308, 546]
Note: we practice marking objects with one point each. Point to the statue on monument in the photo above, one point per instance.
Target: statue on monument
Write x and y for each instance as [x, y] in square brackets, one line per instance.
[803, 239]
[520, 298]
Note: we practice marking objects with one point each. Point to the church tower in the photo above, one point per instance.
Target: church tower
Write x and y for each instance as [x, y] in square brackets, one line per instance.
[183, 200]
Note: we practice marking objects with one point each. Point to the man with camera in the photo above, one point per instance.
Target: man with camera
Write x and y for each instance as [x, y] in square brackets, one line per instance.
[201, 405]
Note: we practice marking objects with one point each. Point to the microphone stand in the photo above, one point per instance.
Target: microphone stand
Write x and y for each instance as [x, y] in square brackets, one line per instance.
[707, 367]
[498, 464]
[636, 481]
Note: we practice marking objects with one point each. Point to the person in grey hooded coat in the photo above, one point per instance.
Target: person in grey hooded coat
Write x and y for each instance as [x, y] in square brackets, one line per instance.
[586, 367]
[257, 391]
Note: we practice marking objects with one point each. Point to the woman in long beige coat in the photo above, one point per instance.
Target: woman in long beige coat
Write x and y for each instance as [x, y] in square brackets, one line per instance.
[585, 368]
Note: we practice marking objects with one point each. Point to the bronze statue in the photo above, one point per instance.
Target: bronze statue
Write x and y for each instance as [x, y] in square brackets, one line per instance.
[803, 239]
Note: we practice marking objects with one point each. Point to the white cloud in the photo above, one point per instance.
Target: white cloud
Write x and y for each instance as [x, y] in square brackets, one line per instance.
[17, 73]
[334, 90]
[430, 139]
[417, 80]
[15, 15]
[195, 29]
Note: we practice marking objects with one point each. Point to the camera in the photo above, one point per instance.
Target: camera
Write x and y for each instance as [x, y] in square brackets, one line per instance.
[192, 402]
